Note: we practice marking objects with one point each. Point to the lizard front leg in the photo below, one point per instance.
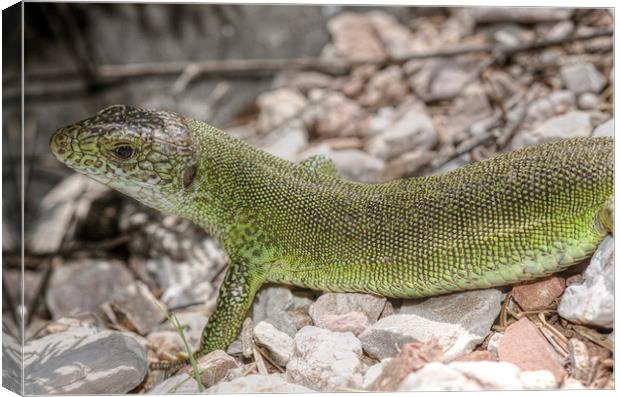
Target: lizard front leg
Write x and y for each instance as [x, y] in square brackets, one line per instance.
[235, 298]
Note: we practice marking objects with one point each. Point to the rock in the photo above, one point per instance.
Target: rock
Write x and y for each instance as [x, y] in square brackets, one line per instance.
[605, 129]
[274, 383]
[381, 120]
[494, 342]
[83, 361]
[398, 40]
[436, 377]
[184, 282]
[12, 364]
[579, 359]
[459, 321]
[490, 375]
[278, 344]
[407, 164]
[471, 106]
[13, 285]
[137, 309]
[437, 79]
[343, 143]
[413, 131]
[273, 303]
[354, 38]
[178, 384]
[525, 15]
[524, 346]
[342, 303]
[468, 316]
[411, 358]
[299, 317]
[373, 372]
[286, 141]
[539, 294]
[597, 118]
[587, 101]
[479, 375]
[478, 355]
[538, 380]
[546, 107]
[593, 301]
[339, 116]
[83, 285]
[560, 30]
[166, 339]
[277, 106]
[160, 236]
[214, 366]
[382, 339]
[301, 81]
[357, 165]
[270, 301]
[354, 85]
[324, 360]
[354, 322]
[582, 77]
[572, 384]
[74, 194]
[385, 87]
[570, 125]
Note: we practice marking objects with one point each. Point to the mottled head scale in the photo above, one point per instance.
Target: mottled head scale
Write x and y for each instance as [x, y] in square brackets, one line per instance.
[145, 154]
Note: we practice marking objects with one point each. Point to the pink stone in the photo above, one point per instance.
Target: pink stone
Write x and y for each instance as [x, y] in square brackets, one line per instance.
[478, 355]
[355, 322]
[540, 294]
[525, 346]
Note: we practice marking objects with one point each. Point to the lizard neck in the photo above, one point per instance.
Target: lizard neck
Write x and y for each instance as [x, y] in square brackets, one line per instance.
[230, 173]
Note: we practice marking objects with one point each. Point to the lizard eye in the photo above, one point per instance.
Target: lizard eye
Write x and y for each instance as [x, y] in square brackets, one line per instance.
[123, 152]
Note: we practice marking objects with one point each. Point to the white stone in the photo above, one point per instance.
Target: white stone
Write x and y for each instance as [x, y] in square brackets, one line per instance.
[459, 321]
[273, 383]
[277, 106]
[178, 384]
[538, 380]
[286, 141]
[272, 303]
[587, 101]
[494, 342]
[414, 130]
[278, 344]
[437, 377]
[582, 77]
[74, 195]
[83, 361]
[464, 376]
[592, 302]
[373, 372]
[342, 303]
[324, 360]
[605, 129]
[570, 125]
[490, 375]
[81, 286]
[357, 165]
[520, 14]
[572, 384]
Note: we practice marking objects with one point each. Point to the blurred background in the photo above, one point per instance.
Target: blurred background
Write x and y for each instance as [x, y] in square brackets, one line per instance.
[386, 92]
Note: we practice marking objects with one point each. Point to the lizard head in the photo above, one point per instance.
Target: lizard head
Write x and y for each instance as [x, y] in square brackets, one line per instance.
[145, 154]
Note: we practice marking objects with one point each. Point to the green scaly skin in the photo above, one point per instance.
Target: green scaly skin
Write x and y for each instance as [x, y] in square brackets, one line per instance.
[510, 218]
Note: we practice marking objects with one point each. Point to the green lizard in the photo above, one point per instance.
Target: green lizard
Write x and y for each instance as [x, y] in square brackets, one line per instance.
[510, 218]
